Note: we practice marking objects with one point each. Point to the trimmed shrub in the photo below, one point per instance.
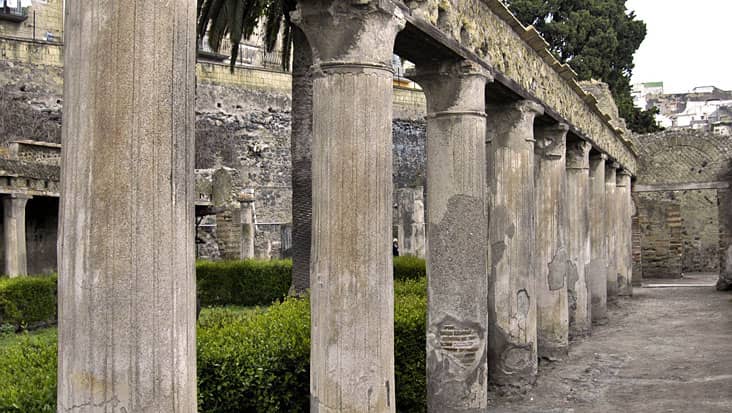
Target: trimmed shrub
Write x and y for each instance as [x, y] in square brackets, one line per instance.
[410, 320]
[247, 282]
[255, 364]
[28, 372]
[409, 268]
[248, 359]
[28, 301]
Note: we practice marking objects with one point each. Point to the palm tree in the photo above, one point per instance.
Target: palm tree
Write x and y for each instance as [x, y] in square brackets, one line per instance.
[239, 19]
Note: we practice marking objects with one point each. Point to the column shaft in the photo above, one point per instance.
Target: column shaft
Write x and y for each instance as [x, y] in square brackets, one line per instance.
[457, 320]
[598, 241]
[578, 206]
[127, 290]
[248, 226]
[611, 230]
[725, 239]
[14, 239]
[551, 256]
[625, 235]
[352, 295]
[512, 348]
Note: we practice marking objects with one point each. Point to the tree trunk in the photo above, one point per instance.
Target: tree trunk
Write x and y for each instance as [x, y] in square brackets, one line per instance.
[301, 139]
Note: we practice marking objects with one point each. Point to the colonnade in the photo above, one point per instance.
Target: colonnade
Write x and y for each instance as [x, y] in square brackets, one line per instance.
[514, 239]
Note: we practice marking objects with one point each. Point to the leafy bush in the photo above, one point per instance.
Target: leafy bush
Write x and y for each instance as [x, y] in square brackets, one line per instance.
[28, 372]
[255, 364]
[409, 268]
[248, 359]
[247, 282]
[410, 320]
[28, 301]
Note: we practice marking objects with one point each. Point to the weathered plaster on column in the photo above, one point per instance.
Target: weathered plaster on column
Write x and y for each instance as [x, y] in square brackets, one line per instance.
[551, 257]
[611, 230]
[127, 289]
[352, 296]
[457, 321]
[512, 347]
[578, 207]
[248, 228]
[597, 270]
[625, 235]
[14, 239]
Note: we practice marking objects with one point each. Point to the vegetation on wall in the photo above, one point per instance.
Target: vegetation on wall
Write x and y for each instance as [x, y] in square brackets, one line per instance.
[598, 38]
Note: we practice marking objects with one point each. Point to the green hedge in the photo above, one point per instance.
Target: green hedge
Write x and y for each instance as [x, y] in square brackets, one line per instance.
[247, 361]
[247, 283]
[409, 268]
[28, 301]
[28, 372]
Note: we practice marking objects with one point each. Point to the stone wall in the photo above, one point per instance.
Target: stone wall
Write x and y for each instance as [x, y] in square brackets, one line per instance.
[41, 234]
[681, 159]
[242, 123]
[660, 223]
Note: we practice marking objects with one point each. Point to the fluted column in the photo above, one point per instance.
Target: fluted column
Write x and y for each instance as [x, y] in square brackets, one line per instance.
[248, 226]
[578, 207]
[352, 295]
[457, 280]
[127, 290]
[611, 230]
[512, 347]
[598, 241]
[14, 239]
[551, 256]
[625, 235]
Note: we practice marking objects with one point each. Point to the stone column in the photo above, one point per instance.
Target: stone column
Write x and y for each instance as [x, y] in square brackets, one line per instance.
[578, 207]
[724, 197]
[625, 235]
[247, 199]
[457, 280]
[512, 347]
[551, 257]
[410, 218]
[352, 294]
[598, 242]
[16, 257]
[127, 284]
[611, 230]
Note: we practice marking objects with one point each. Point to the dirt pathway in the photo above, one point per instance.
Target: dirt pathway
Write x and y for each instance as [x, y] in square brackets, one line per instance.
[664, 350]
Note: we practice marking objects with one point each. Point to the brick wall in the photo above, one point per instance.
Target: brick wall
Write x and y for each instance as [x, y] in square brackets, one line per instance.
[681, 157]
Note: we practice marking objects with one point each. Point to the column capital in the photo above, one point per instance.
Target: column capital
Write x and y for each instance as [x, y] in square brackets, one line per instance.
[515, 119]
[360, 34]
[578, 155]
[453, 87]
[622, 178]
[551, 141]
[599, 157]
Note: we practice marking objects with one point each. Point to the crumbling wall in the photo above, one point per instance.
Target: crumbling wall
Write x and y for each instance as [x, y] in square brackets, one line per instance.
[660, 222]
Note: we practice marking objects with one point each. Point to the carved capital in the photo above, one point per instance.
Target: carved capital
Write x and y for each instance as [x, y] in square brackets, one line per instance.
[578, 155]
[453, 87]
[513, 123]
[551, 141]
[351, 35]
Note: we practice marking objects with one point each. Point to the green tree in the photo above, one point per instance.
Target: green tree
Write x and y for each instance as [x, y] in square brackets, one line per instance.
[598, 38]
[238, 19]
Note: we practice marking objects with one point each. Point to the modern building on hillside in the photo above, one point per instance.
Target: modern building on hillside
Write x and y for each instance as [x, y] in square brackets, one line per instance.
[701, 108]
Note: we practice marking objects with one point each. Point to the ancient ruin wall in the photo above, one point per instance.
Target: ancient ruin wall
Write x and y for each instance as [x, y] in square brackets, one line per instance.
[681, 159]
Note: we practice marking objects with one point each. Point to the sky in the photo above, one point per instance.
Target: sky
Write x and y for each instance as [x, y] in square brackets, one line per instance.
[687, 45]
